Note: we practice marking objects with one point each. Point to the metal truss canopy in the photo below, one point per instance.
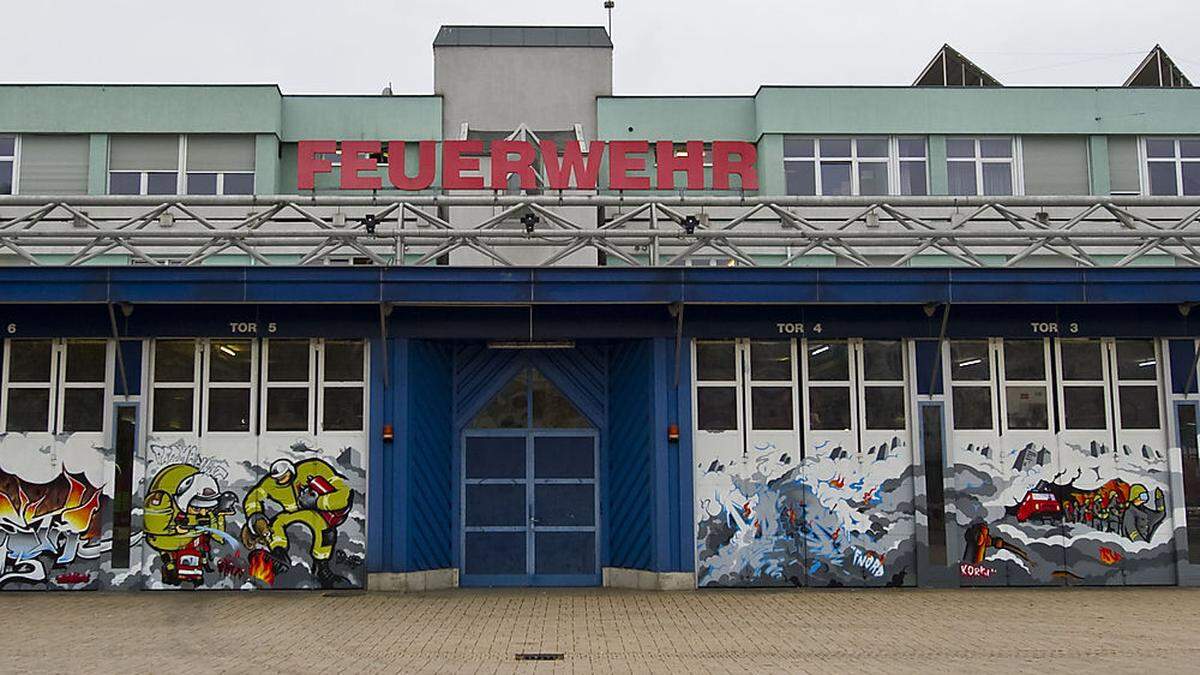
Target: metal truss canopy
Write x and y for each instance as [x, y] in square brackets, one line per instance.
[618, 230]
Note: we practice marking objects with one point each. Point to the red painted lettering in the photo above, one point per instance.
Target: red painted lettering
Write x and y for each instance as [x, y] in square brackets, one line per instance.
[559, 171]
[503, 164]
[454, 164]
[309, 161]
[622, 158]
[725, 166]
[692, 161]
[426, 165]
[356, 157]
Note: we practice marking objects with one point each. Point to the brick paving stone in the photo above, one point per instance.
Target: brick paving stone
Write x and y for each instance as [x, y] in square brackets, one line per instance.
[605, 631]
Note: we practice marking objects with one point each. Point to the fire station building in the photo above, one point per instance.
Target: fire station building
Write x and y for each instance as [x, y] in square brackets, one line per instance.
[525, 332]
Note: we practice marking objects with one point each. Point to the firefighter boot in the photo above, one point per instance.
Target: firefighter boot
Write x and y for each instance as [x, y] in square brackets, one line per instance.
[326, 577]
[280, 560]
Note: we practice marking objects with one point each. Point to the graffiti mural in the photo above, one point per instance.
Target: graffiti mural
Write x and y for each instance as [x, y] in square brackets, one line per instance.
[50, 533]
[835, 518]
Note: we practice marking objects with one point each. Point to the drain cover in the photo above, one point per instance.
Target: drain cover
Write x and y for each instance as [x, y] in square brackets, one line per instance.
[540, 656]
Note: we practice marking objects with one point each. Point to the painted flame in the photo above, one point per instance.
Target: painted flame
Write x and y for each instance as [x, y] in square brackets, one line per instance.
[261, 567]
[79, 518]
[75, 512]
[1109, 556]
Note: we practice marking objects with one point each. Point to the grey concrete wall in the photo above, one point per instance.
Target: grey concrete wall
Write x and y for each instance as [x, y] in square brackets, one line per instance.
[497, 88]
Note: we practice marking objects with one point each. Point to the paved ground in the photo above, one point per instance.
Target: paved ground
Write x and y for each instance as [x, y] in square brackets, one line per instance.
[819, 631]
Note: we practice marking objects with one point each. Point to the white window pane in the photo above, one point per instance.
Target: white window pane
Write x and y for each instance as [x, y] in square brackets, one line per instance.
[1191, 178]
[872, 178]
[1162, 178]
[6, 172]
[1159, 147]
[835, 178]
[160, 183]
[8, 146]
[202, 183]
[1189, 148]
[961, 177]
[872, 147]
[797, 147]
[239, 184]
[801, 178]
[960, 147]
[835, 147]
[912, 147]
[912, 178]
[997, 179]
[124, 183]
[995, 147]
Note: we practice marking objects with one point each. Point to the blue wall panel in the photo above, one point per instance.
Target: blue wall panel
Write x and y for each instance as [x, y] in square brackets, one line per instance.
[628, 473]
[429, 484]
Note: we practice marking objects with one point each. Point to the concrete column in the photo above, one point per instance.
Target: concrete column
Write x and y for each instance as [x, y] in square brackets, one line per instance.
[266, 164]
[1099, 177]
[771, 179]
[98, 164]
[939, 183]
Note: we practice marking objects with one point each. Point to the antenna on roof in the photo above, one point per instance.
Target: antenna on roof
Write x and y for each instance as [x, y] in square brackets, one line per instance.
[609, 4]
[387, 91]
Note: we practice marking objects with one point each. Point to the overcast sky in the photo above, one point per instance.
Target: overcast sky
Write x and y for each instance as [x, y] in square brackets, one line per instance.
[662, 46]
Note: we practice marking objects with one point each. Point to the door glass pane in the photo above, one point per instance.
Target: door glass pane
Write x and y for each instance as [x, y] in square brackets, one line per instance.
[494, 505]
[287, 409]
[172, 409]
[931, 446]
[229, 361]
[287, 360]
[969, 361]
[1186, 414]
[494, 553]
[228, 409]
[715, 361]
[557, 505]
[344, 361]
[972, 407]
[1024, 360]
[565, 553]
[1081, 360]
[771, 361]
[1083, 407]
[551, 408]
[1139, 407]
[495, 457]
[771, 408]
[564, 457]
[83, 409]
[29, 361]
[716, 408]
[125, 442]
[174, 360]
[829, 408]
[828, 361]
[1026, 407]
[885, 407]
[883, 360]
[508, 409]
[342, 409]
[28, 410]
[835, 178]
[1136, 360]
[86, 360]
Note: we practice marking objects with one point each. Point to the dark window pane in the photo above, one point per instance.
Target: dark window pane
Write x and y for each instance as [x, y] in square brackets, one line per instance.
[828, 361]
[716, 408]
[883, 360]
[565, 505]
[86, 360]
[972, 407]
[961, 177]
[829, 408]
[202, 183]
[228, 409]
[494, 553]
[997, 179]
[995, 147]
[564, 457]
[344, 361]
[1139, 407]
[1081, 360]
[771, 408]
[801, 178]
[6, 181]
[797, 147]
[28, 410]
[885, 407]
[835, 179]
[172, 409]
[508, 409]
[83, 410]
[969, 361]
[1191, 178]
[771, 361]
[931, 444]
[162, 183]
[1026, 407]
[495, 457]
[715, 361]
[174, 360]
[872, 147]
[1160, 147]
[239, 184]
[29, 361]
[8, 146]
[912, 179]
[872, 178]
[1162, 178]
[551, 408]
[960, 147]
[495, 505]
[230, 361]
[287, 409]
[343, 409]
[1024, 360]
[287, 360]
[912, 147]
[1136, 360]
[1189, 147]
[565, 552]
[1083, 408]
[124, 183]
[835, 147]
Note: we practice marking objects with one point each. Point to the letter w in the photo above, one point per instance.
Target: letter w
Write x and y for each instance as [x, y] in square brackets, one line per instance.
[560, 170]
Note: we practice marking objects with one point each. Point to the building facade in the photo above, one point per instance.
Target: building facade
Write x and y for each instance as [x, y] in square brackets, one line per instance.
[934, 335]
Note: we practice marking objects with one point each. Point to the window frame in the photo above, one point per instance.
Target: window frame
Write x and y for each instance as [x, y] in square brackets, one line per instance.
[735, 384]
[181, 173]
[15, 158]
[207, 385]
[1062, 382]
[988, 384]
[195, 385]
[866, 383]
[1155, 384]
[57, 384]
[752, 384]
[1046, 384]
[322, 384]
[64, 384]
[1016, 170]
[1178, 160]
[892, 160]
[267, 385]
[848, 384]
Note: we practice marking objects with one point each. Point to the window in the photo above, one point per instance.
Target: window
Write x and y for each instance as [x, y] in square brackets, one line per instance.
[771, 402]
[219, 164]
[8, 164]
[717, 386]
[1137, 384]
[343, 385]
[1026, 386]
[980, 166]
[1173, 166]
[855, 166]
[143, 164]
[828, 385]
[1081, 363]
[971, 388]
[288, 389]
[229, 392]
[175, 374]
[55, 385]
[883, 384]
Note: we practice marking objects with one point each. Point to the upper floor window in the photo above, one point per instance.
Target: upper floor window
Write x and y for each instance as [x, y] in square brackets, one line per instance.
[143, 164]
[1173, 166]
[980, 166]
[219, 164]
[150, 164]
[8, 164]
[854, 166]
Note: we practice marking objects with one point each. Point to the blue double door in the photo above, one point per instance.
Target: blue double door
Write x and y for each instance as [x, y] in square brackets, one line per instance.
[530, 508]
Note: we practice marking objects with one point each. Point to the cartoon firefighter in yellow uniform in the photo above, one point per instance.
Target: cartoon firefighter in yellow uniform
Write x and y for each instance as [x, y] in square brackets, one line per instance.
[184, 513]
[309, 493]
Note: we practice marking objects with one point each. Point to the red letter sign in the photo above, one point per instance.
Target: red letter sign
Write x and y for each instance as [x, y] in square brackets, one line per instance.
[353, 161]
[454, 164]
[559, 172]
[620, 164]
[724, 166]
[502, 164]
[426, 166]
[308, 162]
[692, 162]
